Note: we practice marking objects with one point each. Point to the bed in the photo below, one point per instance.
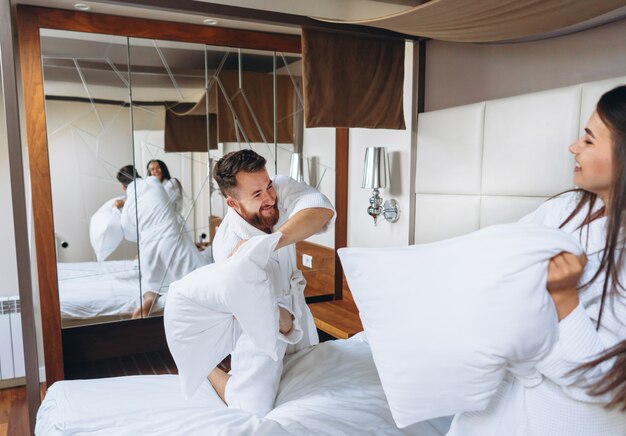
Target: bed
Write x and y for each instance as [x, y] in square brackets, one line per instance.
[91, 292]
[329, 389]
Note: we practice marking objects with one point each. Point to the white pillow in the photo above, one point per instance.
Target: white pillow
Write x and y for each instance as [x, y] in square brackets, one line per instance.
[446, 320]
[199, 323]
[105, 230]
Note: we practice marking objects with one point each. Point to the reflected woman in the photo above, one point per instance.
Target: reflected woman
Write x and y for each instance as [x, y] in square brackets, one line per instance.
[174, 189]
[166, 249]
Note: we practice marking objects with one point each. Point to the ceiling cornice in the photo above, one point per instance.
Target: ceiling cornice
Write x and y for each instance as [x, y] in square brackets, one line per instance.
[252, 15]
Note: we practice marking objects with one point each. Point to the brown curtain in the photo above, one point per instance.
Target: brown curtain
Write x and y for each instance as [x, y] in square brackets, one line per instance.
[186, 126]
[352, 81]
[253, 103]
[489, 20]
[258, 89]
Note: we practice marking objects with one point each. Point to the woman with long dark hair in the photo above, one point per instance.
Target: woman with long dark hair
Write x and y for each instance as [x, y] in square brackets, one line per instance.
[157, 168]
[580, 387]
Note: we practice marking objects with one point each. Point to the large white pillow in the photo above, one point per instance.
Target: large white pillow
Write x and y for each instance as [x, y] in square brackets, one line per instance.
[199, 323]
[446, 320]
[105, 230]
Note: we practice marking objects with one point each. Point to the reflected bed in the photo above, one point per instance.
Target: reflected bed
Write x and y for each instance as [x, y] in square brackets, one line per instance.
[91, 292]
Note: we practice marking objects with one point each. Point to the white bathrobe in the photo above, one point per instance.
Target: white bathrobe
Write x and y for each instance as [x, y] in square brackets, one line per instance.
[254, 376]
[174, 192]
[557, 404]
[166, 253]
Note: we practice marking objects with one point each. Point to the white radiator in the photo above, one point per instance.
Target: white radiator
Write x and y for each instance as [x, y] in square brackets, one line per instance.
[11, 347]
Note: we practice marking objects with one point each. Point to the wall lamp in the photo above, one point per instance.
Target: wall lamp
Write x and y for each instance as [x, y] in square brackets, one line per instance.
[375, 177]
[296, 167]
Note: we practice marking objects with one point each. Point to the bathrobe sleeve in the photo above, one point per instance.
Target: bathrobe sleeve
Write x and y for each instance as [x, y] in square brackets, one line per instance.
[175, 193]
[579, 341]
[128, 218]
[294, 197]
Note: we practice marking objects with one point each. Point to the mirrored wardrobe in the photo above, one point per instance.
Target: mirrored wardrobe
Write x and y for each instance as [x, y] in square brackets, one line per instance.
[136, 114]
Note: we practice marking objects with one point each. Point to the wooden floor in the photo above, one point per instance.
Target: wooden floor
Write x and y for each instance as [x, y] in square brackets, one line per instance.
[13, 406]
[14, 411]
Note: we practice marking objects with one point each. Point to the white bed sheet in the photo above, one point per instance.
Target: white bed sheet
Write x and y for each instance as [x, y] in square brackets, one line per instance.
[331, 389]
[93, 289]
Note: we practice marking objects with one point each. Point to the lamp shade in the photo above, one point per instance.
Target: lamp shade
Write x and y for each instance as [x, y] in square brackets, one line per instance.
[375, 169]
[295, 167]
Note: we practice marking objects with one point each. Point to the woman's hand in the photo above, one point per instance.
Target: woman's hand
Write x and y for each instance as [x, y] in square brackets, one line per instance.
[564, 271]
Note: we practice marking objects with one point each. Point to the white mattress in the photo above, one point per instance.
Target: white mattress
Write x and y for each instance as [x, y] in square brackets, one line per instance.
[92, 289]
[330, 389]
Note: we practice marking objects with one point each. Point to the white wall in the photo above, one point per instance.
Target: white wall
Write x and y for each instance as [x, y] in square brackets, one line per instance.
[361, 229]
[8, 263]
[87, 145]
[458, 74]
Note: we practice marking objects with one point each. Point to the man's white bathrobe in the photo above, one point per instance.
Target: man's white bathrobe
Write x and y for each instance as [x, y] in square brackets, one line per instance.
[557, 403]
[254, 376]
[166, 253]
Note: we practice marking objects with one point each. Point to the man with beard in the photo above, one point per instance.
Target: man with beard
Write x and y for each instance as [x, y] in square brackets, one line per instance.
[259, 205]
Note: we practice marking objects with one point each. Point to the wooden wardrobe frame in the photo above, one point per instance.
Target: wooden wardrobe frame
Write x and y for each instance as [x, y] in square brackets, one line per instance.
[130, 334]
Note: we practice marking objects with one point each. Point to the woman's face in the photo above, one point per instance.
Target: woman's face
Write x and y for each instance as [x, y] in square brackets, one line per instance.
[594, 159]
[155, 170]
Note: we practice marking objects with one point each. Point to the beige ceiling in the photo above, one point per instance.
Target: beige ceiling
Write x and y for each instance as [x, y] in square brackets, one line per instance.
[386, 14]
[330, 9]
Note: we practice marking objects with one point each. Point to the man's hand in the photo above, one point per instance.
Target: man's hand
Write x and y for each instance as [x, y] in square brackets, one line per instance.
[285, 321]
[564, 271]
[119, 203]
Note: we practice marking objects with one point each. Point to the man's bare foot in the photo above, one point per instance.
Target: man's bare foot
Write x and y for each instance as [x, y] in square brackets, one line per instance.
[149, 298]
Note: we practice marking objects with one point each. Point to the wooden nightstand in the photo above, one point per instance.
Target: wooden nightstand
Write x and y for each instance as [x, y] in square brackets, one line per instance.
[338, 318]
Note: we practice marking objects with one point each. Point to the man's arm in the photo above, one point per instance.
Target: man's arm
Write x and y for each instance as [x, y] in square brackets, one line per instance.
[303, 224]
[218, 380]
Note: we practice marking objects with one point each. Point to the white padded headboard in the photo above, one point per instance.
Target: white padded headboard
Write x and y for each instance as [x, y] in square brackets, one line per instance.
[495, 161]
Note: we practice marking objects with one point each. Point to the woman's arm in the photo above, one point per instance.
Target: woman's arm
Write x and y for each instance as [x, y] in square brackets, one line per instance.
[579, 341]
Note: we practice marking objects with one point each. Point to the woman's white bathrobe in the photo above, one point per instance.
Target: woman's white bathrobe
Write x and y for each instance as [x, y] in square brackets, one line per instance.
[254, 376]
[166, 253]
[174, 191]
[553, 403]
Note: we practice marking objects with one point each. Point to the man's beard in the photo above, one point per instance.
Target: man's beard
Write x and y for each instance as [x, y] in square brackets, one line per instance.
[260, 221]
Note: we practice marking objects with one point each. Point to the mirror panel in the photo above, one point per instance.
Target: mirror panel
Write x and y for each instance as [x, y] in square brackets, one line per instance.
[241, 82]
[311, 154]
[108, 100]
[86, 85]
[168, 80]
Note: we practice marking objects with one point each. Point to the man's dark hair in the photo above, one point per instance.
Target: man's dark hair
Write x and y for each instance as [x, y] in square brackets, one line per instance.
[127, 174]
[227, 168]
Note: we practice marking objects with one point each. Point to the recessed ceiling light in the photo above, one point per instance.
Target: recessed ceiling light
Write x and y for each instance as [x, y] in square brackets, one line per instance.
[82, 7]
[210, 21]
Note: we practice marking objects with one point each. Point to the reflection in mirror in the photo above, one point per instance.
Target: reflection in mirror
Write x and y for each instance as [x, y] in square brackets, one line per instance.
[86, 85]
[245, 89]
[171, 155]
[312, 157]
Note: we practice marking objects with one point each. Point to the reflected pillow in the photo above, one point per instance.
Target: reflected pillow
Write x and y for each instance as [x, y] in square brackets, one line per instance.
[446, 320]
[105, 230]
[199, 323]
